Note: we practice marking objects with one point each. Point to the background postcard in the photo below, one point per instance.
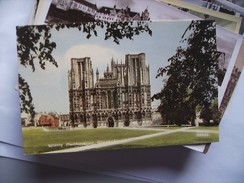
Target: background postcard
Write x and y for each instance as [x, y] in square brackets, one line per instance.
[199, 8]
[100, 85]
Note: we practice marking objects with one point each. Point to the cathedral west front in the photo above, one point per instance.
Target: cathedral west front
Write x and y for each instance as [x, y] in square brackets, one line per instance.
[121, 97]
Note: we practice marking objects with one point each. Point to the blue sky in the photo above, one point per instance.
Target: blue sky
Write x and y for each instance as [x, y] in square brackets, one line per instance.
[50, 87]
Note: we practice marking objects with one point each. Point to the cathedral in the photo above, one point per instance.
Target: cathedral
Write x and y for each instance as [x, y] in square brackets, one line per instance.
[122, 97]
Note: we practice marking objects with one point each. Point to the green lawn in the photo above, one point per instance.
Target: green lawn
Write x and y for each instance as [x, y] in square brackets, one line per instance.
[37, 140]
[214, 128]
[178, 138]
[165, 127]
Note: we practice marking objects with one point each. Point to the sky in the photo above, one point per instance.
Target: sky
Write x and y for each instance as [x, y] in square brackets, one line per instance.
[50, 87]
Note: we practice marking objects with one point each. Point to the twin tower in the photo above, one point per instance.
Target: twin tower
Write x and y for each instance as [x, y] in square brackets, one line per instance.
[122, 97]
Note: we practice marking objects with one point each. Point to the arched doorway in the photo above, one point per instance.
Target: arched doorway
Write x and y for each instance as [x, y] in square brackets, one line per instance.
[110, 122]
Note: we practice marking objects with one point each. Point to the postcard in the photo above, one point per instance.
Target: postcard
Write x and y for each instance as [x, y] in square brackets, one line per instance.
[229, 7]
[100, 85]
[228, 43]
[210, 11]
[48, 11]
[234, 77]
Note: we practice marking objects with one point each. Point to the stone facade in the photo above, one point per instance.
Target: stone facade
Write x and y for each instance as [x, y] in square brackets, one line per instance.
[122, 97]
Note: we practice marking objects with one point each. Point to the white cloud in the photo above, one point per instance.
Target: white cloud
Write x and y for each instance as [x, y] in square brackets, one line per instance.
[100, 56]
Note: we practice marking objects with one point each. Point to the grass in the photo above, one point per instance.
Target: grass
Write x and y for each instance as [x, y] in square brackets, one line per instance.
[38, 140]
[166, 128]
[178, 138]
[214, 128]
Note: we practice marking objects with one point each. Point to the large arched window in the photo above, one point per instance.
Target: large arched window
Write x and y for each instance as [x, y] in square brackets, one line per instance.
[109, 100]
[104, 100]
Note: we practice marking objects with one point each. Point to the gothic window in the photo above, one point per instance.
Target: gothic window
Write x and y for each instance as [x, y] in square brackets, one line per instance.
[130, 99]
[109, 100]
[104, 100]
[142, 98]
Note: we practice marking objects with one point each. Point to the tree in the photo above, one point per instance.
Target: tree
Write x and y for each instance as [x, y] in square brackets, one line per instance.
[206, 114]
[216, 112]
[34, 47]
[211, 113]
[191, 75]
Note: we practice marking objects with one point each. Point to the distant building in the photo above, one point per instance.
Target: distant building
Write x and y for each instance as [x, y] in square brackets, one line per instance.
[114, 14]
[84, 7]
[122, 97]
[64, 120]
[90, 10]
[49, 120]
[42, 119]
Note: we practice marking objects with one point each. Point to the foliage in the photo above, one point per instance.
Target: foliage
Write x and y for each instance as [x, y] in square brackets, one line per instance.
[211, 113]
[120, 30]
[216, 112]
[26, 104]
[191, 75]
[221, 75]
[34, 45]
[206, 114]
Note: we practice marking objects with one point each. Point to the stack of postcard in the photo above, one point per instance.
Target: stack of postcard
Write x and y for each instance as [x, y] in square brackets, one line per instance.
[105, 75]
